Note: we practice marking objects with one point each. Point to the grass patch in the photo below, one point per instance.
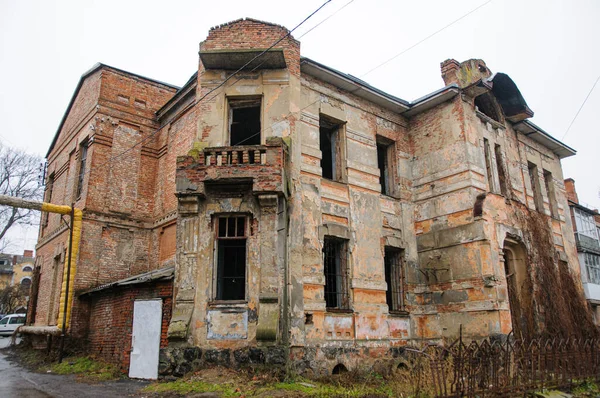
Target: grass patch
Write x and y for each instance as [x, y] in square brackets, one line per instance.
[85, 367]
[264, 385]
[184, 387]
[586, 389]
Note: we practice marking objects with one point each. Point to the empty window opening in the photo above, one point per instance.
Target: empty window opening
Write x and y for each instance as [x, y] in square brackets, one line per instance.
[502, 177]
[231, 258]
[535, 186]
[486, 105]
[82, 160]
[332, 149]
[488, 164]
[551, 193]
[385, 163]
[335, 267]
[244, 122]
[339, 369]
[394, 278]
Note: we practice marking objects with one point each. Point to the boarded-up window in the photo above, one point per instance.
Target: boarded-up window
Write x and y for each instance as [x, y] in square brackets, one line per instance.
[167, 242]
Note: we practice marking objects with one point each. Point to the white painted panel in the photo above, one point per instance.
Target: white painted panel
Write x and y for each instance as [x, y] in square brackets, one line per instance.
[592, 291]
[145, 339]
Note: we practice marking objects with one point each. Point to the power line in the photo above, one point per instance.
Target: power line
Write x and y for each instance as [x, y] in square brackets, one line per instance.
[426, 38]
[112, 159]
[580, 108]
[319, 24]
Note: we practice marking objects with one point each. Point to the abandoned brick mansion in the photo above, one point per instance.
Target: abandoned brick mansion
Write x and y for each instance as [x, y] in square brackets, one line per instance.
[293, 214]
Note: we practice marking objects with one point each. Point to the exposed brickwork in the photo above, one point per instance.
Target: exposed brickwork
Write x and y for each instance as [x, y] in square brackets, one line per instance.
[461, 203]
[111, 320]
[250, 34]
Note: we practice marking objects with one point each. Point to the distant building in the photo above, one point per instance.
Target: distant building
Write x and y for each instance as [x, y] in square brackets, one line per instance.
[17, 270]
[586, 224]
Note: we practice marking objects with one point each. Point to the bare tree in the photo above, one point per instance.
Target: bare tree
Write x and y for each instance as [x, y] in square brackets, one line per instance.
[19, 176]
[12, 298]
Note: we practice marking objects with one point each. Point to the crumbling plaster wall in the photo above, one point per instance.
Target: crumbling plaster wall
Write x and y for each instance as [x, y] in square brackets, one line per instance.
[354, 210]
[197, 319]
[461, 280]
[451, 286]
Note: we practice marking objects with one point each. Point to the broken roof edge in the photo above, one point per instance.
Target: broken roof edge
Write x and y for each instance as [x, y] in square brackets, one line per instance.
[536, 133]
[97, 66]
[146, 277]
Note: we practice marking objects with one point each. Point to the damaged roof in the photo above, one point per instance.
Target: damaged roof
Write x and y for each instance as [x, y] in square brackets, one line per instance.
[147, 277]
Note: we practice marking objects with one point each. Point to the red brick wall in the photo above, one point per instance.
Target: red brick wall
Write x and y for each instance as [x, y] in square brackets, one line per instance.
[253, 34]
[115, 110]
[571, 192]
[111, 320]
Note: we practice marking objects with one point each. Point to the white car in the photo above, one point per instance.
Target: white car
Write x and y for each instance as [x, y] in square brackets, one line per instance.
[10, 323]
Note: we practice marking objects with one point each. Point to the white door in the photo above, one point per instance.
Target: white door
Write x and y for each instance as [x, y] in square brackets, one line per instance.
[145, 339]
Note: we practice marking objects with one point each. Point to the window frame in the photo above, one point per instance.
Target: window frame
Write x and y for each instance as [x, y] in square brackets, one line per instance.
[241, 102]
[339, 247]
[48, 198]
[501, 168]
[82, 161]
[217, 293]
[337, 132]
[534, 179]
[393, 257]
[551, 193]
[388, 174]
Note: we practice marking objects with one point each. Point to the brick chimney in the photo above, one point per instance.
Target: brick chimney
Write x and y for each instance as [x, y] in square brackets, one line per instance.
[571, 192]
[465, 73]
[450, 68]
[28, 253]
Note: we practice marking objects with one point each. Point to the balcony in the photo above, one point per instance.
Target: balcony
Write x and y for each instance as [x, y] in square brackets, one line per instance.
[233, 169]
[585, 243]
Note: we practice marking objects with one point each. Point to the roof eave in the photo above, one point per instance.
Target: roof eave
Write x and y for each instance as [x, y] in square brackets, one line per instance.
[432, 99]
[540, 136]
[353, 85]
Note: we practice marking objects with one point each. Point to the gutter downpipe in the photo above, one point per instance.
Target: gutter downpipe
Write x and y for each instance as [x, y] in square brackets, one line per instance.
[71, 265]
[65, 308]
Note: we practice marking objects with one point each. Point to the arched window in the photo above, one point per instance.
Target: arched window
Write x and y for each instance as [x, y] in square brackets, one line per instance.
[27, 268]
[25, 284]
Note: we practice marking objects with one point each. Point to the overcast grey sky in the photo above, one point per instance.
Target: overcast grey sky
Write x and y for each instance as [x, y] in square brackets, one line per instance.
[549, 48]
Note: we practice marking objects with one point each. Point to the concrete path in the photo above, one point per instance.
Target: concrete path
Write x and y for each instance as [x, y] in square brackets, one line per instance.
[16, 382]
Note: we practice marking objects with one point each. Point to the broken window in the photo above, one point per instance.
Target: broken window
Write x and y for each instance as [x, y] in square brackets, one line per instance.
[231, 258]
[535, 186]
[385, 156]
[335, 264]
[331, 143]
[244, 121]
[488, 164]
[82, 158]
[394, 295]
[551, 193]
[502, 177]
